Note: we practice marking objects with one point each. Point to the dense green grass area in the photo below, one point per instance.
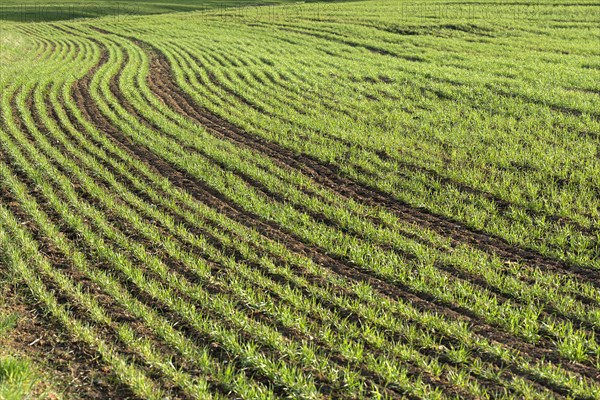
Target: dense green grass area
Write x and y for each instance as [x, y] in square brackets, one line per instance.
[374, 199]
[16, 379]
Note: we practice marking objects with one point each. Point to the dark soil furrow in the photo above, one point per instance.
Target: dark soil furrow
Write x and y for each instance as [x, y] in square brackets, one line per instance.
[320, 217]
[401, 165]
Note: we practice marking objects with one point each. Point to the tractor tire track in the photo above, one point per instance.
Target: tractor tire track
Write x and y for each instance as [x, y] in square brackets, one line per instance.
[173, 96]
[332, 307]
[402, 167]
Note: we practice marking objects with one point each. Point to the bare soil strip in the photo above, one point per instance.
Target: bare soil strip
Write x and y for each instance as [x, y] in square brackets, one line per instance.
[171, 98]
[217, 269]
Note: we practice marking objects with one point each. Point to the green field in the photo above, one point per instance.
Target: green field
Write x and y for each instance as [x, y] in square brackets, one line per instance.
[60, 10]
[371, 199]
